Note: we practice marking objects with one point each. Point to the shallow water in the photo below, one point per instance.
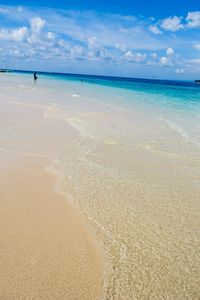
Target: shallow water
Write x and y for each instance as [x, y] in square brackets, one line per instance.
[134, 173]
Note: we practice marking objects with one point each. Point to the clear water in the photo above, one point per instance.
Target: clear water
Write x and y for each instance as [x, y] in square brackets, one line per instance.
[177, 103]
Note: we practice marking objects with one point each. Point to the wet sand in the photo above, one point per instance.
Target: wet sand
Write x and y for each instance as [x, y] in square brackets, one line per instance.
[46, 251]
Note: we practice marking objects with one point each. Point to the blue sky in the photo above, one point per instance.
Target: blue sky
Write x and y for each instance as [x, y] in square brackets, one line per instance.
[137, 38]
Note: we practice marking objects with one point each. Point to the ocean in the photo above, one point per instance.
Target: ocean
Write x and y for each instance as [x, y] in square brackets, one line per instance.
[177, 103]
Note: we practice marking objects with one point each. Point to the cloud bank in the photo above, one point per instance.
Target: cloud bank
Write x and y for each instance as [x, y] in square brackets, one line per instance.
[90, 42]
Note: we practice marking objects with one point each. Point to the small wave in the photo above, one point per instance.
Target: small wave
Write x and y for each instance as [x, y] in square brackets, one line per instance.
[175, 127]
[82, 127]
[76, 95]
[24, 87]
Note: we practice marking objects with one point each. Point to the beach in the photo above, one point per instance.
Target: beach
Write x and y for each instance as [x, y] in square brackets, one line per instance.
[99, 189]
[45, 249]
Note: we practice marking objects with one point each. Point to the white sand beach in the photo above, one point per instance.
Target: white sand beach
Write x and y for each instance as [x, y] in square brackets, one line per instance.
[97, 201]
[46, 251]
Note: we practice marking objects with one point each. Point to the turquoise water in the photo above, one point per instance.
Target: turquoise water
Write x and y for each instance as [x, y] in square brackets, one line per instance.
[177, 103]
[180, 94]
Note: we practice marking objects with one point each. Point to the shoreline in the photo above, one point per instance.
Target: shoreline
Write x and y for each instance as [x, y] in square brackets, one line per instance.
[46, 249]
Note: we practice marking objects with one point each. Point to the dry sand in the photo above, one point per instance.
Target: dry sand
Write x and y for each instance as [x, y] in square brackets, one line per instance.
[45, 249]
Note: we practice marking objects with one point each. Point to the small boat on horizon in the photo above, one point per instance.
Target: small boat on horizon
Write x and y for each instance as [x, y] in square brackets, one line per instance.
[198, 80]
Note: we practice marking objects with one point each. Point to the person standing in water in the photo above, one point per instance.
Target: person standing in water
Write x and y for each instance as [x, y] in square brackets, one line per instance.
[35, 76]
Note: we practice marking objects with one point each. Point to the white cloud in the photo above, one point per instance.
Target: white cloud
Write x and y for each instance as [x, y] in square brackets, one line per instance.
[154, 56]
[195, 61]
[77, 51]
[62, 43]
[20, 34]
[176, 23]
[37, 24]
[18, 53]
[197, 46]
[93, 43]
[117, 39]
[180, 71]
[140, 57]
[100, 54]
[168, 60]
[121, 47]
[153, 59]
[129, 55]
[154, 29]
[105, 54]
[17, 35]
[172, 23]
[23, 34]
[193, 19]
[169, 51]
[97, 51]
[51, 35]
[134, 57]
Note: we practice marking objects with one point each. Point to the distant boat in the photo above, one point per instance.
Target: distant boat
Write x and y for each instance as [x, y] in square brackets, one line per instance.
[198, 80]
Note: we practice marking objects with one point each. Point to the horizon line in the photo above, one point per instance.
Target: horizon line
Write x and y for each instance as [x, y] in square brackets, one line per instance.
[100, 76]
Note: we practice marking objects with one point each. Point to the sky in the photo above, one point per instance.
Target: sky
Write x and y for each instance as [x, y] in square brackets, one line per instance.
[134, 38]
